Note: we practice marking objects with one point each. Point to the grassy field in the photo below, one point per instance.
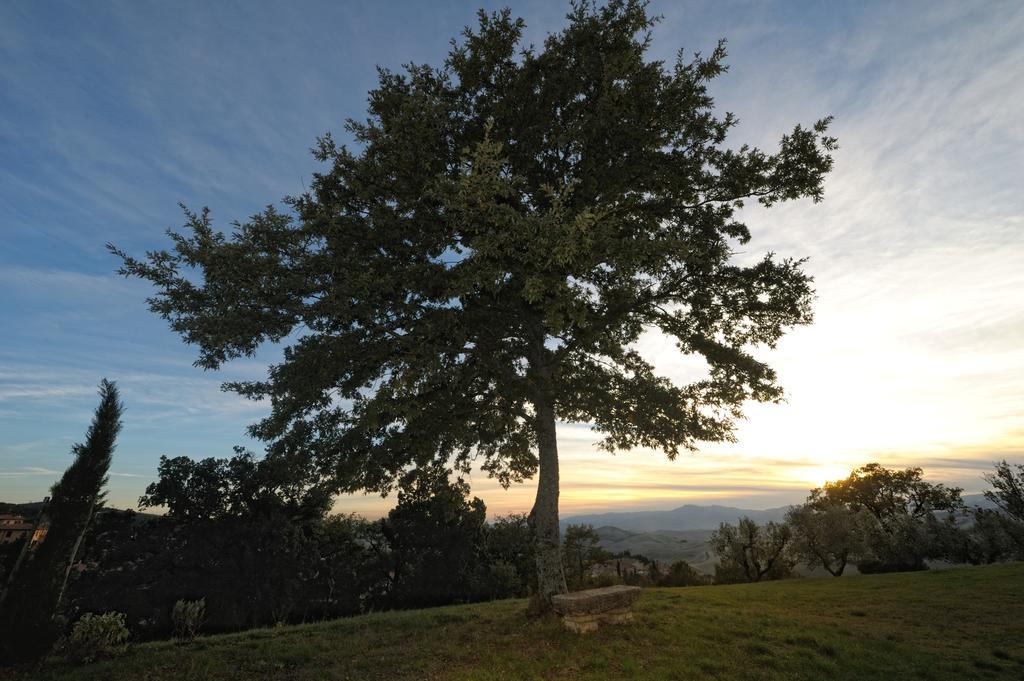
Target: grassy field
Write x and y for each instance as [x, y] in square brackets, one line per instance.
[965, 623]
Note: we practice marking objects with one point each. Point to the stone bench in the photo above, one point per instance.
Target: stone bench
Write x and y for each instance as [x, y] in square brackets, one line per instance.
[582, 611]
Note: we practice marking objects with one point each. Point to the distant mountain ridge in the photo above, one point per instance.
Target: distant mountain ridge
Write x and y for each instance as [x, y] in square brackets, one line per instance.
[687, 517]
[666, 546]
[25, 508]
[696, 517]
[683, 533]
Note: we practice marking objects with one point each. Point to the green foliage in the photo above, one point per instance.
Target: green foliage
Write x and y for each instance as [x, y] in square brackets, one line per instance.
[499, 579]
[828, 535]
[987, 540]
[433, 535]
[27, 624]
[95, 637]
[751, 552]
[190, 489]
[905, 525]
[237, 487]
[483, 260]
[603, 581]
[250, 572]
[1008, 489]
[187, 618]
[1008, 494]
[681, 573]
[580, 550]
[888, 493]
[509, 541]
[434, 548]
[729, 572]
[903, 544]
[996, 534]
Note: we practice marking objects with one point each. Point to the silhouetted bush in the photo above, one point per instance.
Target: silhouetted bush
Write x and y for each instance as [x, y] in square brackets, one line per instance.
[187, 618]
[251, 572]
[96, 636]
[681, 573]
[434, 548]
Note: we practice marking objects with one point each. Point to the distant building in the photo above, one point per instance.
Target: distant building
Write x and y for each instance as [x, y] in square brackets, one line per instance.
[14, 528]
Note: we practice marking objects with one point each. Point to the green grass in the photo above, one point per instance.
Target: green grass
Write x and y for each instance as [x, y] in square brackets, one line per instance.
[965, 623]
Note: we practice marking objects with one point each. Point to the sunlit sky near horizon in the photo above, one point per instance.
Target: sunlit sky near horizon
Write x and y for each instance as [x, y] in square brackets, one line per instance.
[111, 113]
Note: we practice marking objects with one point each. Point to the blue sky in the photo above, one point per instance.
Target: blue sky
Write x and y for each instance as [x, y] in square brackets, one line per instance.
[113, 113]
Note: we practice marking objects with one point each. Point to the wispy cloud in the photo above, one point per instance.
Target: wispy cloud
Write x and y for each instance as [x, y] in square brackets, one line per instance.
[28, 471]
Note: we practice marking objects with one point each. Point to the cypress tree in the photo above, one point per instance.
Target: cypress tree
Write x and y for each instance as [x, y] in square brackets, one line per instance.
[28, 627]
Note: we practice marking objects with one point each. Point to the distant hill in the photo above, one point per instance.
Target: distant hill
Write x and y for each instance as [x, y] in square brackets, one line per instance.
[978, 500]
[29, 508]
[697, 517]
[663, 545]
[668, 536]
[684, 518]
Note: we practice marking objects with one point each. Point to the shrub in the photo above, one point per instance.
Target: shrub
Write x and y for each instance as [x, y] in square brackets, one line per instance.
[755, 551]
[187, 618]
[499, 579]
[96, 636]
[602, 581]
[681, 573]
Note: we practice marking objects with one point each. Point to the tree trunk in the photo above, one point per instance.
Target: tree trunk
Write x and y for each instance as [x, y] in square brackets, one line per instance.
[838, 571]
[74, 551]
[543, 518]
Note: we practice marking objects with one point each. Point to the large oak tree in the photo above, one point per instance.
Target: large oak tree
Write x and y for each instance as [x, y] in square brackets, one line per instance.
[480, 263]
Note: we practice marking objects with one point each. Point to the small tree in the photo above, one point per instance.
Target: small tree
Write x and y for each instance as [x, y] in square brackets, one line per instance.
[986, 540]
[681, 573]
[827, 535]
[187, 618]
[1008, 494]
[94, 637]
[509, 541]
[27, 627]
[349, 570]
[753, 551]
[482, 265]
[434, 534]
[581, 549]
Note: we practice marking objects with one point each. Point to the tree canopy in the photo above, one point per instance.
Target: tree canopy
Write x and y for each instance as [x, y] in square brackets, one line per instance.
[1007, 489]
[241, 486]
[904, 512]
[1007, 494]
[889, 493]
[581, 548]
[827, 534]
[751, 552]
[484, 258]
